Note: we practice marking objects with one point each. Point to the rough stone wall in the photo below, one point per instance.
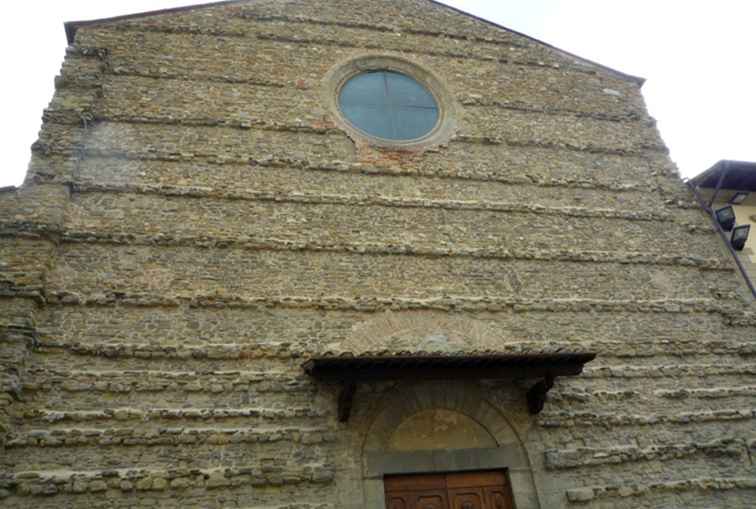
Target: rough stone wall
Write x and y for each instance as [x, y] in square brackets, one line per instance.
[194, 225]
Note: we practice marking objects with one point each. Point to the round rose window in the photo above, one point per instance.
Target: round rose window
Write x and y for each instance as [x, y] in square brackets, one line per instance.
[389, 105]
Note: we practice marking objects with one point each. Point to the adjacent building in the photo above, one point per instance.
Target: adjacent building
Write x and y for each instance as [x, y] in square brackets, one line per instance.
[726, 190]
[362, 254]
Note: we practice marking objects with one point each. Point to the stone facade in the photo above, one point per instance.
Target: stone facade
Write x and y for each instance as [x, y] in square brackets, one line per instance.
[195, 224]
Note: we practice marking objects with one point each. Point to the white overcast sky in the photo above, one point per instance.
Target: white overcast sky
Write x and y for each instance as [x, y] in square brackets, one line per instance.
[699, 58]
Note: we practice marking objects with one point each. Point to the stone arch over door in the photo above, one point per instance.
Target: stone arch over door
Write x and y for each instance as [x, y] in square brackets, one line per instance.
[486, 438]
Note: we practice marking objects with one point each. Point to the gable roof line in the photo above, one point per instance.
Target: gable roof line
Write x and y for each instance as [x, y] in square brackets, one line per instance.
[71, 28]
[629, 77]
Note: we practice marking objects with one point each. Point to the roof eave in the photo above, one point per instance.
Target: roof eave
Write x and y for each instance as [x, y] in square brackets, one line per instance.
[742, 169]
[716, 167]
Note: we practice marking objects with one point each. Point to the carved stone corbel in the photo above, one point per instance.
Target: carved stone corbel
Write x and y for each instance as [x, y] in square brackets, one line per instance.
[537, 394]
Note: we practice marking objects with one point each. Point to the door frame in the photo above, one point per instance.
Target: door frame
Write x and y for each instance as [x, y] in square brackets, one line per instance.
[508, 457]
[414, 483]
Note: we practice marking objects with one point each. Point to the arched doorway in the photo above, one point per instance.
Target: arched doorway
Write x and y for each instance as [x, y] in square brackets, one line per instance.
[443, 428]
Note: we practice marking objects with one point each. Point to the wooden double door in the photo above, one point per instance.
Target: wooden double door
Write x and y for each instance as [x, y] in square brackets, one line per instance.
[469, 490]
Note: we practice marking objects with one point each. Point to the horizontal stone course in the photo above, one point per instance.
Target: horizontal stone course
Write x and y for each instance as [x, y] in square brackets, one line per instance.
[249, 496]
[267, 349]
[666, 371]
[169, 414]
[590, 457]
[220, 144]
[481, 42]
[543, 165]
[490, 126]
[124, 381]
[55, 482]
[268, 36]
[269, 456]
[588, 395]
[588, 419]
[693, 220]
[136, 96]
[707, 393]
[182, 330]
[396, 304]
[192, 273]
[515, 127]
[644, 437]
[498, 126]
[243, 242]
[262, 179]
[588, 187]
[638, 408]
[582, 495]
[165, 436]
[413, 17]
[422, 226]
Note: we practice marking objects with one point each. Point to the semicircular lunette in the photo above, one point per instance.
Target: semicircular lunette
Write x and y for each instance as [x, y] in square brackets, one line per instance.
[440, 428]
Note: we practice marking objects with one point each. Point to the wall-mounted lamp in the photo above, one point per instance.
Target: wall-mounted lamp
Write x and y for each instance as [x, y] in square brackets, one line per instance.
[740, 236]
[738, 197]
[726, 217]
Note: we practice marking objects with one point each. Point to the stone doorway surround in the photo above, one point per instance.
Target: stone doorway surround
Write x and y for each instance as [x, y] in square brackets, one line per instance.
[465, 490]
[494, 441]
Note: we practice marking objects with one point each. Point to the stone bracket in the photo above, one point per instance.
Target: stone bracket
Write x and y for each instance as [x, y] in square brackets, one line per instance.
[346, 397]
[536, 396]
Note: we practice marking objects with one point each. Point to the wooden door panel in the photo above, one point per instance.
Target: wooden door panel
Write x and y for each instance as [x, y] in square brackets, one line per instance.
[475, 479]
[429, 500]
[415, 482]
[469, 490]
[398, 501]
[420, 499]
[499, 498]
[467, 498]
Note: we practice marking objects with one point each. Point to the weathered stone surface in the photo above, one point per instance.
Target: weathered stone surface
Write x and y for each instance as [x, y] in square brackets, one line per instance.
[704, 484]
[560, 459]
[571, 419]
[195, 225]
[225, 205]
[184, 272]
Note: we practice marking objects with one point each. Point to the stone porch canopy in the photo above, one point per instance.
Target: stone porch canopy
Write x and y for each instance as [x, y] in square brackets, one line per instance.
[350, 370]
